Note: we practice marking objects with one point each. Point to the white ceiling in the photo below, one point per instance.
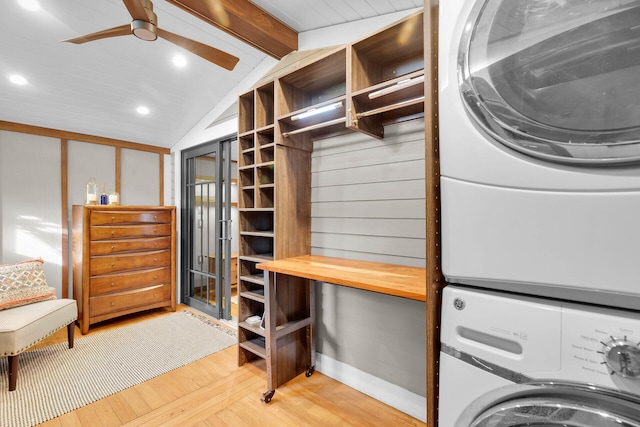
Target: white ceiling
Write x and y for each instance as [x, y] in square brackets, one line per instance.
[95, 88]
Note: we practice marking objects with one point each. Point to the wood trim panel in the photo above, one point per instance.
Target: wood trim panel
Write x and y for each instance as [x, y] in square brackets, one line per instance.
[247, 22]
[161, 179]
[64, 191]
[118, 169]
[61, 134]
[435, 280]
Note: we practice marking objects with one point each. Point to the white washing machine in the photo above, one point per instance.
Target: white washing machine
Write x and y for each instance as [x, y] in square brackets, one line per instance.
[511, 360]
[539, 105]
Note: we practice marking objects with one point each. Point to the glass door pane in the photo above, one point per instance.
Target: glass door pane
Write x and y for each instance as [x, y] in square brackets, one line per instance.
[206, 227]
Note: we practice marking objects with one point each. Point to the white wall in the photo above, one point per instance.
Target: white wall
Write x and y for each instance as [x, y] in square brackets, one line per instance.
[31, 220]
[30, 202]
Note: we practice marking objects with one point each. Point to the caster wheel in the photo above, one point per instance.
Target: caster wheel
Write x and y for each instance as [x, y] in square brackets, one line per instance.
[266, 397]
[310, 371]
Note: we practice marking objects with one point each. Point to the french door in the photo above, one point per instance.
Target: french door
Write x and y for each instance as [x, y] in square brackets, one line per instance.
[206, 228]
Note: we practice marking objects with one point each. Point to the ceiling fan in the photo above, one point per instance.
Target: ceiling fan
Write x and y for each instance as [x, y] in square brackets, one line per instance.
[144, 25]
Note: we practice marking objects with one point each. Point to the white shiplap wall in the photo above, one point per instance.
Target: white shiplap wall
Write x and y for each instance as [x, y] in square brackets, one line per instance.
[368, 203]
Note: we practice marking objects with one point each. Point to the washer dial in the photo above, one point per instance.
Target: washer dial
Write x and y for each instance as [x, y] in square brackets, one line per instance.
[622, 357]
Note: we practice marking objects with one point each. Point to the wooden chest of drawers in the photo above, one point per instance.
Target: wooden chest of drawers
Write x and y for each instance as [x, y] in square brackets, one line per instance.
[124, 260]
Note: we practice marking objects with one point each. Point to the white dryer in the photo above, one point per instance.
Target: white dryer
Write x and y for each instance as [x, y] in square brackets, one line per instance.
[539, 105]
[511, 361]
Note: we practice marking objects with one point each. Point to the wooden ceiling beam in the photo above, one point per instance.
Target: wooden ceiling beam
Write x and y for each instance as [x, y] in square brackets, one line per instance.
[245, 21]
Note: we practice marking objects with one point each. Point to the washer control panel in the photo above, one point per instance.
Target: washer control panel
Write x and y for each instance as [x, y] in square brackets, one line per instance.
[601, 346]
[622, 356]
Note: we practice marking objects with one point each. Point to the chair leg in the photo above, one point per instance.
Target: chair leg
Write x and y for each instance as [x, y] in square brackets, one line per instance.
[13, 371]
[71, 328]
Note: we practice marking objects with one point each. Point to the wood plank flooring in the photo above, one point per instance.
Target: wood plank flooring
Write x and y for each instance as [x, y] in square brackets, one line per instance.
[214, 391]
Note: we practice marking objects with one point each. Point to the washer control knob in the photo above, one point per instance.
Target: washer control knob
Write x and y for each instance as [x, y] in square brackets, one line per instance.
[622, 357]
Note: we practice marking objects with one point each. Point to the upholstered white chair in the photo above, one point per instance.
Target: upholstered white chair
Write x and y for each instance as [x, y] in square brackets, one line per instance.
[29, 312]
[22, 327]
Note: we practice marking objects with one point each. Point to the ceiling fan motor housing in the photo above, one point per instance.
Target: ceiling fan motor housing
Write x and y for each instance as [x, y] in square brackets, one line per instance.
[146, 30]
[143, 30]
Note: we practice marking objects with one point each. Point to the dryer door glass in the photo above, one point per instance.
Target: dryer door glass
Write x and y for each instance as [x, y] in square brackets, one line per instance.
[556, 79]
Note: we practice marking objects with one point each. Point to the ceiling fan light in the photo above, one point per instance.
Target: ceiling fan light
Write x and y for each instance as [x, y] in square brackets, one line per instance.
[143, 30]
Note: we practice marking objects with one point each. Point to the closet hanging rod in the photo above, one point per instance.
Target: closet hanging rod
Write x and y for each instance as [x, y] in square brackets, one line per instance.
[390, 107]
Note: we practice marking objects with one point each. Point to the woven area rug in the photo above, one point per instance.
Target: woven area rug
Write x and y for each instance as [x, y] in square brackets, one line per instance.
[54, 380]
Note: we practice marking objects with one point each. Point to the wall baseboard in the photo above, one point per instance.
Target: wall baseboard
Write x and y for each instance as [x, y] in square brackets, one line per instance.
[404, 400]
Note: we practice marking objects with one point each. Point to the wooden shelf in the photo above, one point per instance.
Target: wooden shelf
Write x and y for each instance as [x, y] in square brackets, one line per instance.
[389, 279]
[392, 61]
[255, 346]
[254, 295]
[317, 85]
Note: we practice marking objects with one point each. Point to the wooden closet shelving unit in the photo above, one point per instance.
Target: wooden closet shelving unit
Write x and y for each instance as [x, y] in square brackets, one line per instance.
[311, 95]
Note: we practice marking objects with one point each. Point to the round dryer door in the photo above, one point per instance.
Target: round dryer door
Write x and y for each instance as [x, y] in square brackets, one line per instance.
[558, 80]
[552, 404]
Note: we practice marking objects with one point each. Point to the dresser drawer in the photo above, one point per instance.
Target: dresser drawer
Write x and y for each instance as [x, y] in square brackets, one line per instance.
[105, 247]
[108, 304]
[124, 231]
[132, 261]
[111, 283]
[130, 217]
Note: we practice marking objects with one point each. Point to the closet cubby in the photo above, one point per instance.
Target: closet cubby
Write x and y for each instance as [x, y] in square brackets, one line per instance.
[266, 144]
[246, 108]
[387, 76]
[311, 100]
[256, 221]
[264, 105]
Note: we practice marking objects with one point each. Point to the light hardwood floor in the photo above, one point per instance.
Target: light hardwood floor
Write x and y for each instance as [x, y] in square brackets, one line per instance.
[214, 391]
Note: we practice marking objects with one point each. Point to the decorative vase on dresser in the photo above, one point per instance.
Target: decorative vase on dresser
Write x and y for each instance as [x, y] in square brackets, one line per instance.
[124, 260]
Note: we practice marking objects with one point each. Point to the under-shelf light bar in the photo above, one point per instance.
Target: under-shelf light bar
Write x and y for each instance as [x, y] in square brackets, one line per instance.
[398, 86]
[315, 111]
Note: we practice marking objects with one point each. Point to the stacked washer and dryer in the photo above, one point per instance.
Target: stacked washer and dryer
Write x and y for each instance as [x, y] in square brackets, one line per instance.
[539, 109]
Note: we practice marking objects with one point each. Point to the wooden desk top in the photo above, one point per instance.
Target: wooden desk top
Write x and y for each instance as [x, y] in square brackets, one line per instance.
[390, 279]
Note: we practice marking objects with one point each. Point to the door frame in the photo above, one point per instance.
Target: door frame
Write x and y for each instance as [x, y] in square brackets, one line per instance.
[222, 228]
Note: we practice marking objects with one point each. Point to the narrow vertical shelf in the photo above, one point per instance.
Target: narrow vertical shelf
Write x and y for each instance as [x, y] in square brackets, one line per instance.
[256, 242]
[265, 105]
[246, 107]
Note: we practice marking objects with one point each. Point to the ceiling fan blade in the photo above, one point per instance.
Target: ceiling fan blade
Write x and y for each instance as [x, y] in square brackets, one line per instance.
[136, 9]
[123, 30]
[209, 53]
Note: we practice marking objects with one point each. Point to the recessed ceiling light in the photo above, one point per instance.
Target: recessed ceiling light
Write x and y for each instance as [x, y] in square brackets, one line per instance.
[17, 79]
[142, 110]
[31, 5]
[179, 60]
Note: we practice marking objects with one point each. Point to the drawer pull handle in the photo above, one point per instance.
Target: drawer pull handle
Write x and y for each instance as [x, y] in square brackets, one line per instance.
[113, 284]
[155, 244]
[113, 233]
[155, 230]
[112, 304]
[155, 260]
[113, 247]
[113, 218]
[155, 277]
[113, 264]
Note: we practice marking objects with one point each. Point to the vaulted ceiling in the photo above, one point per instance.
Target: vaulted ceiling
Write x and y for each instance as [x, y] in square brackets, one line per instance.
[95, 88]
